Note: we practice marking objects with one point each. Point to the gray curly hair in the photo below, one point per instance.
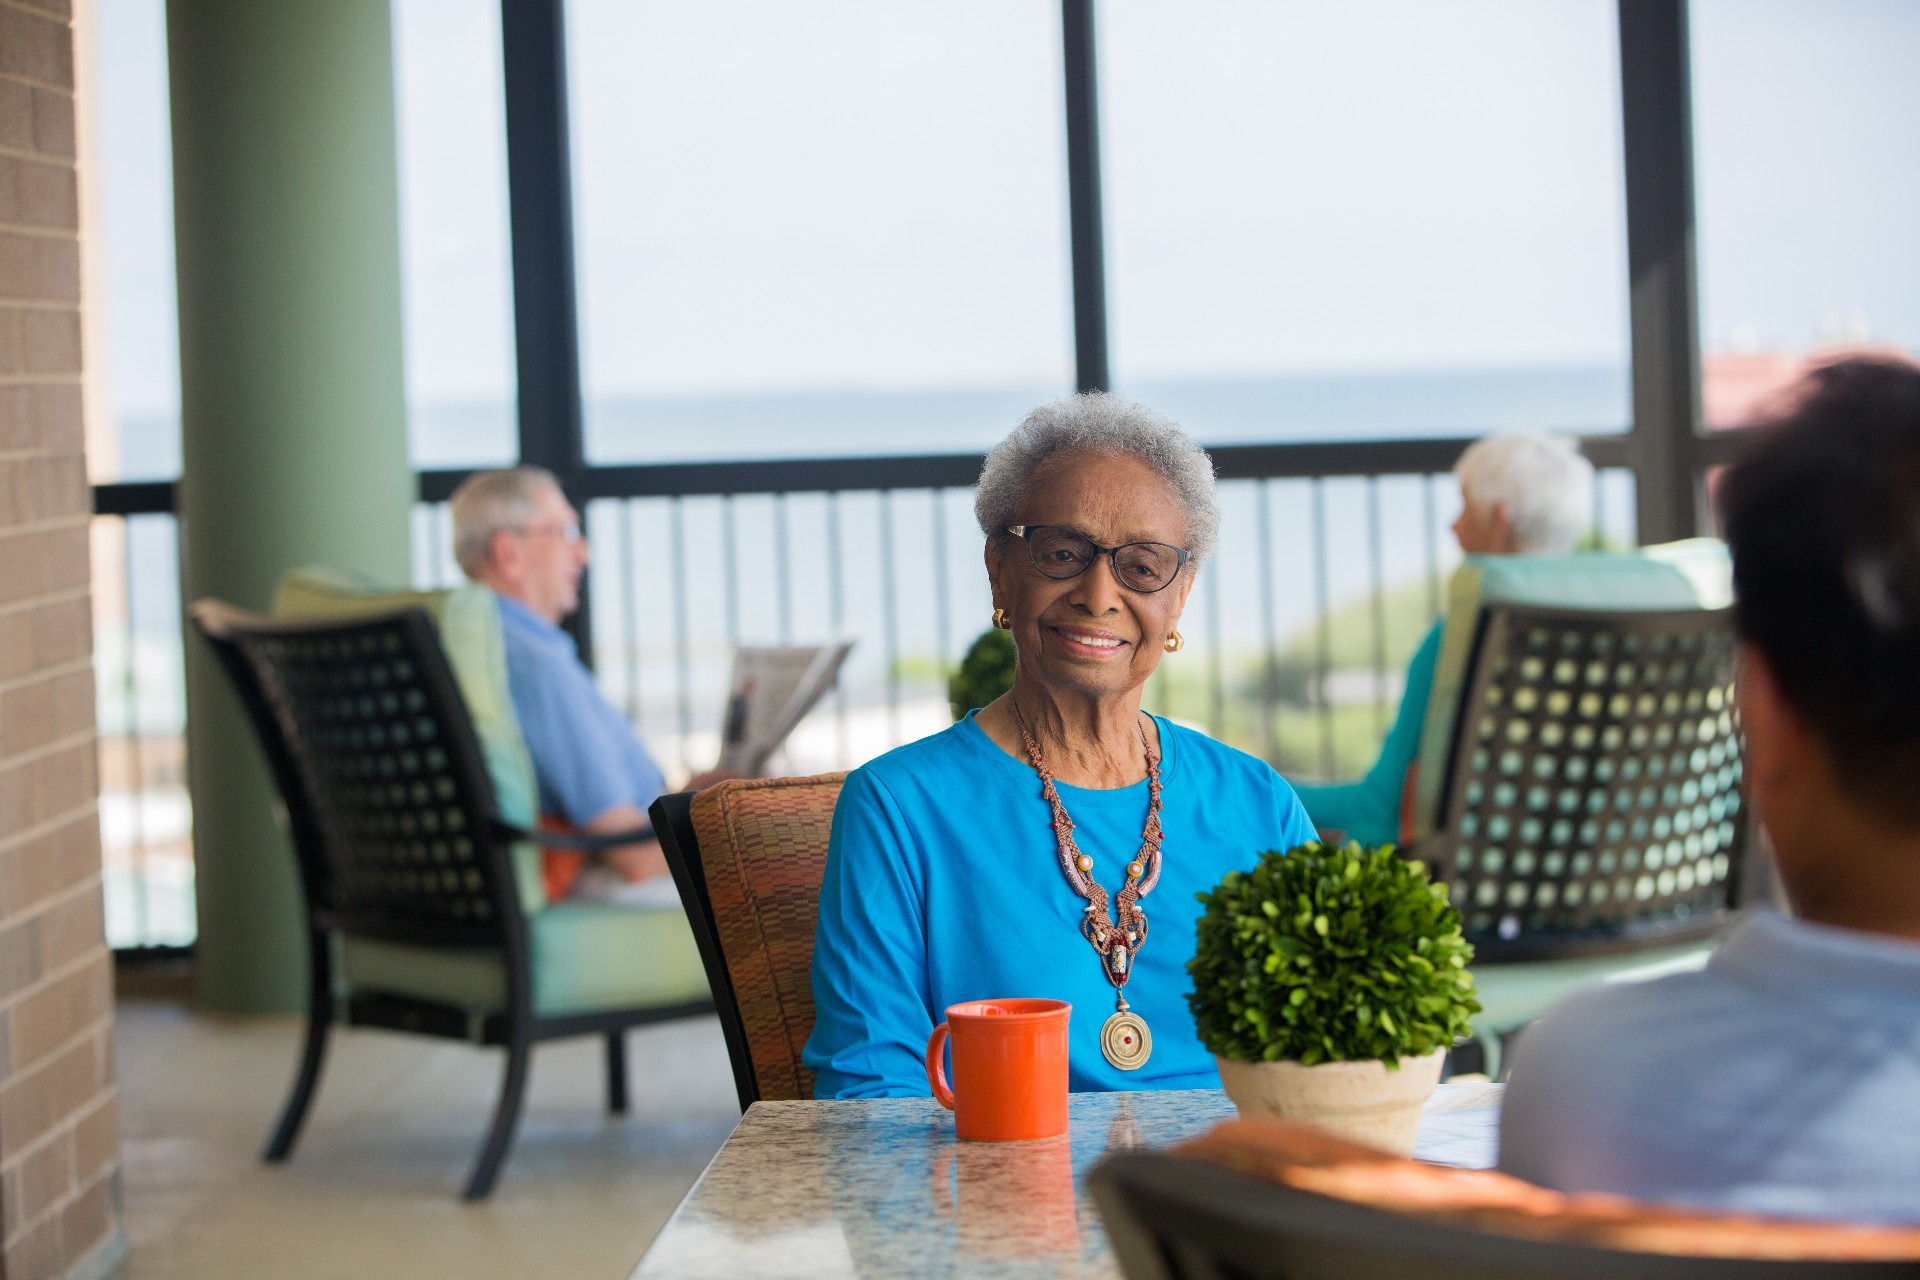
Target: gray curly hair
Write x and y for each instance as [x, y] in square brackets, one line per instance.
[1096, 422]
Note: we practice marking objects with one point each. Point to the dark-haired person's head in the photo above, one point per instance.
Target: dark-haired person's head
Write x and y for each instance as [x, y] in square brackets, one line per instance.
[1822, 514]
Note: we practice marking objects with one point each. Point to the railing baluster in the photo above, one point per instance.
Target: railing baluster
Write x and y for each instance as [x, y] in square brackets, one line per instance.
[888, 624]
[1379, 575]
[942, 637]
[137, 859]
[682, 645]
[731, 559]
[1432, 526]
[783, 569]
[1270, 668]
[836, 604]
[629, 552]
[1324, 649]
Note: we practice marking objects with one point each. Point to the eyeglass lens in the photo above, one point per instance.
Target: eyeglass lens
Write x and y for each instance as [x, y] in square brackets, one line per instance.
[1143, 566]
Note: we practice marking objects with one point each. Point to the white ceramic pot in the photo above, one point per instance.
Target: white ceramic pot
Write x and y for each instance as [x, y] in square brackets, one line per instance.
[1362, 1101]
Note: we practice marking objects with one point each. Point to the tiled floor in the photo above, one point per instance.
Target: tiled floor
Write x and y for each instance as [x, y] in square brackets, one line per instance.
[373, 1188]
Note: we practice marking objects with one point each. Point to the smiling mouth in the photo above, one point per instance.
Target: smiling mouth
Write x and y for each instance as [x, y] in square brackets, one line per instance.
[1088, 640]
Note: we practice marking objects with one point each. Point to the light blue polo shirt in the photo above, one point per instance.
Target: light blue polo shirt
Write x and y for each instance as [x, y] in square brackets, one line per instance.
[1784, 1078]
[586, 758]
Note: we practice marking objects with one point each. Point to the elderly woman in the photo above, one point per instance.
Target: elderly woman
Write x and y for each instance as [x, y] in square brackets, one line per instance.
[1022, 851]
[1519, 495]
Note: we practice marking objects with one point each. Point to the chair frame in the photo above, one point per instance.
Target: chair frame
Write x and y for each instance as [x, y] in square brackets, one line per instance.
[672, 817]
[329, 909]
[1171, 1218]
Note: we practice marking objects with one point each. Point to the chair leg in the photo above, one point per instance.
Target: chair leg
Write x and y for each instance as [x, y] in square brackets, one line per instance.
[312, 1056]
[617, 1072]
[506, 1118]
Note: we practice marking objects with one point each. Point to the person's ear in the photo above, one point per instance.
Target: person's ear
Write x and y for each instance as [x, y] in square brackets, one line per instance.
[1501, 534]
[997, 563]
[1777, 740]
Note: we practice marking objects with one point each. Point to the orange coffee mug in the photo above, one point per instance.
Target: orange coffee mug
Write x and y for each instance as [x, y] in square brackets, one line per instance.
[1009, 1068]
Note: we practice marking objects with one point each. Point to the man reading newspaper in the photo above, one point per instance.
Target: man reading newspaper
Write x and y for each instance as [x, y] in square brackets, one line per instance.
[516, 533]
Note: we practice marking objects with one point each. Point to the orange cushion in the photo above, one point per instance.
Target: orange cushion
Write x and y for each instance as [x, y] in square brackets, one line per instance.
[1312, 1160]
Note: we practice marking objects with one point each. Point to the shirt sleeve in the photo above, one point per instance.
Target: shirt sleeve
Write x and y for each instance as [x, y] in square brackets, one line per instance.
[1368, 809]
[581, 764]
[870, 992]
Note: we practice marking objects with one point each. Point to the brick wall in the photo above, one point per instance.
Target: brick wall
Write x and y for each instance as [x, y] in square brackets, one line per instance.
[59, 1131]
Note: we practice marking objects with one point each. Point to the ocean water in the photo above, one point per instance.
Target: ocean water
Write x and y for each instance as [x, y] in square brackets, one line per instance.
[676, 583]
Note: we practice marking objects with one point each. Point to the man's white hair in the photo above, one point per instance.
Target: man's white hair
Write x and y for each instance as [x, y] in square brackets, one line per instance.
[1099, 423]
[491, 502]
[1542, 481]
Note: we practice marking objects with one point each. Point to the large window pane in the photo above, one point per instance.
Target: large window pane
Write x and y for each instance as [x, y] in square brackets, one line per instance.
[455, 266]
[816, 229]
[1806, 118]
[1378, 219]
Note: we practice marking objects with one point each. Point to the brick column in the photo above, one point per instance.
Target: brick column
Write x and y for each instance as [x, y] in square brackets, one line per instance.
[59, 1132]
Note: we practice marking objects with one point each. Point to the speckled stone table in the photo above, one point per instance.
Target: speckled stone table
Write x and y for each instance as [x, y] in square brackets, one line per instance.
[882, 1188]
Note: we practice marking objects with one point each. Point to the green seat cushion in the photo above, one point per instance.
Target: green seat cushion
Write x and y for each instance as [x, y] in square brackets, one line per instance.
[1693, 574]
[1512, 995]
[586, 956]
[468, 620]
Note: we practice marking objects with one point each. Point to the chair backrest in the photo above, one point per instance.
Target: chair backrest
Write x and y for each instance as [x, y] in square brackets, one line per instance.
[1693, 574]
[748, 858]
[1241, 1213]
[1591, 796]
[389, 801]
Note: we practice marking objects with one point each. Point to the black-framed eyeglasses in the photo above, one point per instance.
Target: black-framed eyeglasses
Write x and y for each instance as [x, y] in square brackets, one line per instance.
[1060, 552]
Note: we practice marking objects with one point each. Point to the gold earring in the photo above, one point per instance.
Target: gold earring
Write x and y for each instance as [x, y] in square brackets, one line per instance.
[1175, 642]
[1001, 620]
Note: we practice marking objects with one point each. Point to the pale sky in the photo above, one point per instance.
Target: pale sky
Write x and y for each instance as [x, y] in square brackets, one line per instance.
[870, 194]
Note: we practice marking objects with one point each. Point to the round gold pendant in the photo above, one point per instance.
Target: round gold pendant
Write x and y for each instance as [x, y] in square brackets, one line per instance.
[1126, 1041]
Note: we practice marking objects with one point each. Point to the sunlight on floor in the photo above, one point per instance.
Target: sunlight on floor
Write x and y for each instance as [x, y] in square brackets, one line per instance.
[373, 1188]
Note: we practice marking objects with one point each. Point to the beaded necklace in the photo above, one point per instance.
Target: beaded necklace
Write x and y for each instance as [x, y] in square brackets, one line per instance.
[1116, 936]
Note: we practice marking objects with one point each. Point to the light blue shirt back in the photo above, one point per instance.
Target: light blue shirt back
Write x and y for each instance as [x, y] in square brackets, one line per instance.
[1784, 1078]
[943, 885]
[586, 758]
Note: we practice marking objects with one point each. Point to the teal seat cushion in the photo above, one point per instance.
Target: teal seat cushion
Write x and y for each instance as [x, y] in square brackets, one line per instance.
[1512, 995]
[1693, 574]
[586, 956]
[468, 620]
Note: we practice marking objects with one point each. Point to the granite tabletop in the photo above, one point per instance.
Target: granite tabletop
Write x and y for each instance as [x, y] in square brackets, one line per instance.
[881, 1187]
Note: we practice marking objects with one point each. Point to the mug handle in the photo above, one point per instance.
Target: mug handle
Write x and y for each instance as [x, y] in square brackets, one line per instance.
[936, 1069]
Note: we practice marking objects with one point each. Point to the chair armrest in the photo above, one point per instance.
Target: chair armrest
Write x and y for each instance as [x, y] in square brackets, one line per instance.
[595, 842]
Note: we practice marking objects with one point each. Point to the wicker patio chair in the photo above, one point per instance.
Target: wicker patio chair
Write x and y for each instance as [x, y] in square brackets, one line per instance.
[423, 910]
[748, 858]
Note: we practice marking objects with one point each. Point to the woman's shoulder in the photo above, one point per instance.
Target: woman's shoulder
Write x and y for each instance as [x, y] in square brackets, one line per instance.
[1208, 757]
[961, 747]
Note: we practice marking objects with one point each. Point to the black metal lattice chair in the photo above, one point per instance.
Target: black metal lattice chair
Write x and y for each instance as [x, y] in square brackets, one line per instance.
[1591, 819]
[1171, 1218]
[415, 917]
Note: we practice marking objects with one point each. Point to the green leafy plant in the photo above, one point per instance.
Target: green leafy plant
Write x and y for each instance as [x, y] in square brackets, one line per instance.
[984, 674]
[1330, 954]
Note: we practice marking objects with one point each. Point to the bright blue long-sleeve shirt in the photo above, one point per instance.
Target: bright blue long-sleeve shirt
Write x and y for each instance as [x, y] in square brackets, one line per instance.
[1368, 809]
[943, 885]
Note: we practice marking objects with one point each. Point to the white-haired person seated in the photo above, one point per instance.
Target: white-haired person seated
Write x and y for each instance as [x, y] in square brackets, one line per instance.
[1519, 495]
[1784, 1077]
[1020, 852]
[515, 532]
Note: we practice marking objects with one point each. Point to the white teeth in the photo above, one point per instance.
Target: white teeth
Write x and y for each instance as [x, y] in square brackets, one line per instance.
[1092, 641]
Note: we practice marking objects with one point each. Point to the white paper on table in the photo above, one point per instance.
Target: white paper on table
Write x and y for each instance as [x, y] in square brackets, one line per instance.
[1460, 1126]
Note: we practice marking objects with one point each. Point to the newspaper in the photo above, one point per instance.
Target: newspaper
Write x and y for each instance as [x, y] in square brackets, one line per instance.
[773, 688]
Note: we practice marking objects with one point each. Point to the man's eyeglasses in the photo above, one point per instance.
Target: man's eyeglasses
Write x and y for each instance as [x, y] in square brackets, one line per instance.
[568, 533]
[1060, 552]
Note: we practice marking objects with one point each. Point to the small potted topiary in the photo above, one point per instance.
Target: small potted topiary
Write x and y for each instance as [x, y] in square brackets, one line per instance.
[984, 674]
[1328, 982]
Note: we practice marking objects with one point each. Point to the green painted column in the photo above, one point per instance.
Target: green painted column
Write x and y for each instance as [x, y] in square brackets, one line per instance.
[293, 408]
